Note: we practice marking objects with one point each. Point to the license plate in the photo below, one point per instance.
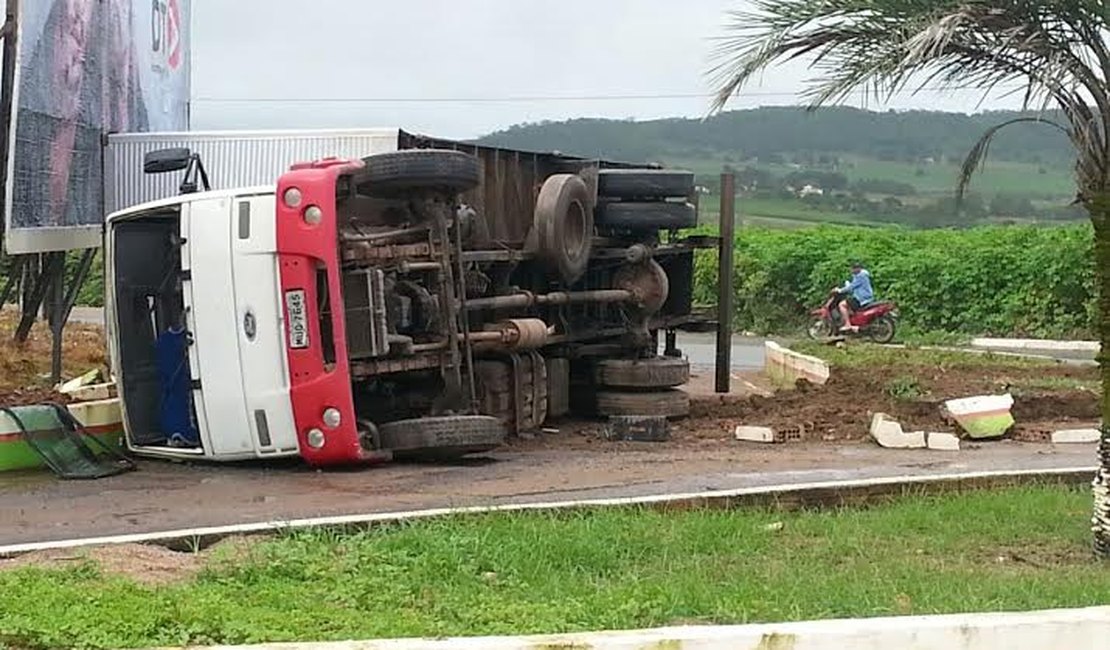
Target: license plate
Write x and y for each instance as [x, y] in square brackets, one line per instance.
[298, 320]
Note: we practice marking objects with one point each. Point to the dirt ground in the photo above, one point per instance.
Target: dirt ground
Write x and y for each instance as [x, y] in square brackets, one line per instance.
[25, 369]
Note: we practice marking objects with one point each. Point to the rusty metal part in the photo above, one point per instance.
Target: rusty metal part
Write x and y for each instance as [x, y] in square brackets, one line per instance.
[383, 237]
[637, 253]
[529, 299]
[452, 367]
[371, 368]
[558, 387]
[367, 252]
[461, 316]
[521, 333]
[648, 284]
[412, 267]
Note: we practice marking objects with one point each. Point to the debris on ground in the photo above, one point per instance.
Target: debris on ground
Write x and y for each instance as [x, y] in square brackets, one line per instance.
[87, 379]
[755, 434]
[889, 434]
[982, 416]
[637, 428]
[940, 441]
[1076, 436]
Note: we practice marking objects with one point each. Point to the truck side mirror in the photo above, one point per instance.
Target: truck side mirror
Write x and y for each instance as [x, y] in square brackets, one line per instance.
[166, 160]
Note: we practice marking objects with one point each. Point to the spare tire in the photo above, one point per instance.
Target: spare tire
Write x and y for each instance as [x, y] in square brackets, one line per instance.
[388, 175]
[660, 215]
[657, 372]
[670, 403]
[644, 183]
[442, 437]
[564, 226]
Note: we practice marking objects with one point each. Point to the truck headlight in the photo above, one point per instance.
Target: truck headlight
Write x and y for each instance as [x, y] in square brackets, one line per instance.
[332, 418]
[313, 215]
[292, 197]
[315, 438]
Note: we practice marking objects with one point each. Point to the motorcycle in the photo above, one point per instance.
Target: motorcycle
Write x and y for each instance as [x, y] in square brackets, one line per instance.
[877, 321]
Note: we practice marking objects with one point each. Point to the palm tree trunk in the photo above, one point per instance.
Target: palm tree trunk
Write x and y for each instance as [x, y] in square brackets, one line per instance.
[1100, 215]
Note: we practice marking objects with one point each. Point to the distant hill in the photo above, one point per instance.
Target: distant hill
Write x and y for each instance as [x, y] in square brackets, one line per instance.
[763, 133]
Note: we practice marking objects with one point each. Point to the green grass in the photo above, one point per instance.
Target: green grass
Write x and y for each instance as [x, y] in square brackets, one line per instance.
[1019, 549]
[863, 355]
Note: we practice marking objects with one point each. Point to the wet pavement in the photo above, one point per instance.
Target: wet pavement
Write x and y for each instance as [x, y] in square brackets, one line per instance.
[165, 496]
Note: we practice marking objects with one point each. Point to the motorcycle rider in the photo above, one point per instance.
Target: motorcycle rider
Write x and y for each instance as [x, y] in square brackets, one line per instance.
[856, 294]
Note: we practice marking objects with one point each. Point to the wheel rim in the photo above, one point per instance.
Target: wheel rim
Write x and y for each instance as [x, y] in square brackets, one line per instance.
[818, 329]
[882, 330]
[575, 230]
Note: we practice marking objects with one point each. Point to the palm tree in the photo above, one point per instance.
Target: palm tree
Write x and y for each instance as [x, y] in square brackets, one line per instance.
[1055, 52]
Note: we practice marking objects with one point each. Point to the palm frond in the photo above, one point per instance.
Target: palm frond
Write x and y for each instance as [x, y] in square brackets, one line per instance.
[1054, 50]
[977, 157]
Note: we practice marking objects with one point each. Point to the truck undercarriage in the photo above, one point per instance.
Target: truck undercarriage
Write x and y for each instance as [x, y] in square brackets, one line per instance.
[434, 299]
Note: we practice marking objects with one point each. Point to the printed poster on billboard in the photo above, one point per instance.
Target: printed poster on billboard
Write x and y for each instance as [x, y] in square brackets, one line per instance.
[86, 68]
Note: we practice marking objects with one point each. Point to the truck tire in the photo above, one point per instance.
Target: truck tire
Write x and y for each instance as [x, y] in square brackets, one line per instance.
[497, 393]
[391, 174]
[660, 215]
[644, 183]
[442, 437]
[564, 226]
[657, 372]
[670, 403]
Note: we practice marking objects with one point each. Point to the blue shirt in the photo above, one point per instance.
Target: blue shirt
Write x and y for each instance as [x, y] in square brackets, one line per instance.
[860, 287]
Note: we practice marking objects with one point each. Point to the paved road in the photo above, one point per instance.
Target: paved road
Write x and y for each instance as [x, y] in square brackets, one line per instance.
[164, 496]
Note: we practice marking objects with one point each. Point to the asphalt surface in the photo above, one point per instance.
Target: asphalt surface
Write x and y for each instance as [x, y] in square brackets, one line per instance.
[164, 496]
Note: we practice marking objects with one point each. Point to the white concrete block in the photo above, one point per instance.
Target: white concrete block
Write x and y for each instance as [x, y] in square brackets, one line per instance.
[789, 366]
[888, 433]
[1075, 436]
[943, 441]
[755, 434]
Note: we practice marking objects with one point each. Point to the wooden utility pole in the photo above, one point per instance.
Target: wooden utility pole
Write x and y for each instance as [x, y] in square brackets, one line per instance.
[724, 282]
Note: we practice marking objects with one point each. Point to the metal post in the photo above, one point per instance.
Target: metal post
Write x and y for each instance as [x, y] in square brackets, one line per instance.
[724, 283]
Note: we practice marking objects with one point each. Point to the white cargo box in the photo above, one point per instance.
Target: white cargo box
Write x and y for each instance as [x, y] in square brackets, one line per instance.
[231, 158]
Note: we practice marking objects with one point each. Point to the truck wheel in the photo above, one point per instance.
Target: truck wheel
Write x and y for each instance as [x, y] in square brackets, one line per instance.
[497, 393]
[658, 372]
[564, 225]
[670, 403]
[388, 175]
[644, 183]
[660, 215]
[442, 437]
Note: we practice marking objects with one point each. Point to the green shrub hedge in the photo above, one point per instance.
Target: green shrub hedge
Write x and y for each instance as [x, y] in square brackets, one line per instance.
[1000, 280]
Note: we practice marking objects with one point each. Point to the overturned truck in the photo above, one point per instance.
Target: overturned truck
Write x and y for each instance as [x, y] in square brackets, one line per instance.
[422, 302]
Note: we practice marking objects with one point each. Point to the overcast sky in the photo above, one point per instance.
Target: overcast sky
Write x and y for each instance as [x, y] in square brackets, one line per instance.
[519, 60]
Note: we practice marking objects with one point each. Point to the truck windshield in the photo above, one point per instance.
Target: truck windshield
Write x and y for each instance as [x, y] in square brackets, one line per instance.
[149, 325]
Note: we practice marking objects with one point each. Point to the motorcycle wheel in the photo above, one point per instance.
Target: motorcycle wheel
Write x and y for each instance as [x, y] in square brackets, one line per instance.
[819, 329]
[882, 329]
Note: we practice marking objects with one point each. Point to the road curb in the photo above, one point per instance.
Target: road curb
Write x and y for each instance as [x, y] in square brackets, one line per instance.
[1045, 345]
[1073, 629]
[790, 496]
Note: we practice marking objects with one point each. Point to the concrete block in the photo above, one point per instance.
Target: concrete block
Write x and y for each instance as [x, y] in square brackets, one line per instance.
[755, 434]
[982, 416]
[943, 441]
[788, 366]
[888, 433]
[94, 392]
[97, 414]
[1076, 436]
[638, 428]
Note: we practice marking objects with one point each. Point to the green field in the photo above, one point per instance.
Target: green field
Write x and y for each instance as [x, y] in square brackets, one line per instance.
[1020, 549]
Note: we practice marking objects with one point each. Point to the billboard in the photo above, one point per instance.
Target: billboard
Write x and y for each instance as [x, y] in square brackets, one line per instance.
[86, 68]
